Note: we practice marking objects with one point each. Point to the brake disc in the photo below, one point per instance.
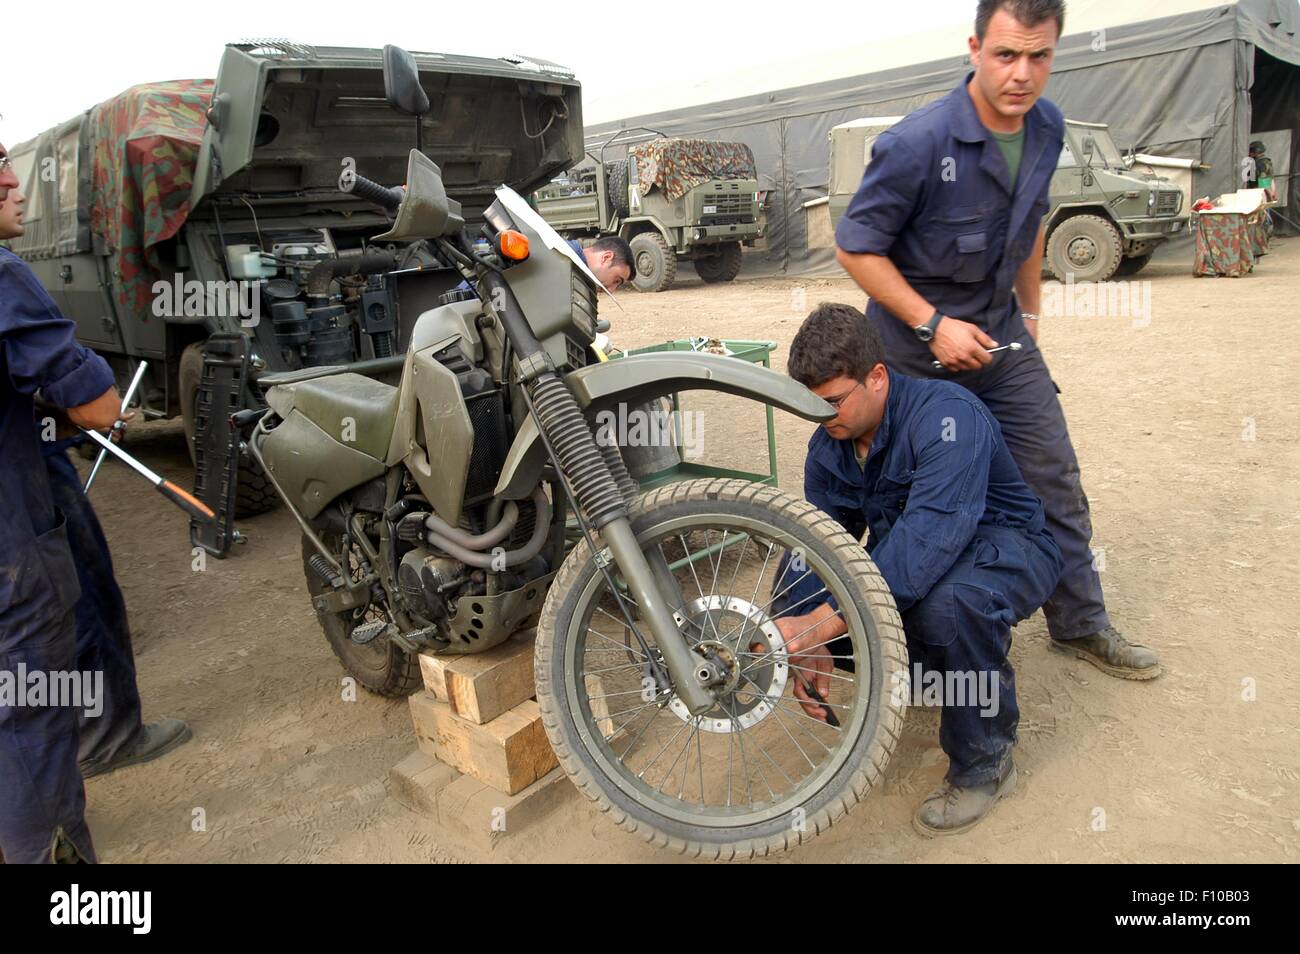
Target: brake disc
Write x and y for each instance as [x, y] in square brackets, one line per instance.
[750, 683]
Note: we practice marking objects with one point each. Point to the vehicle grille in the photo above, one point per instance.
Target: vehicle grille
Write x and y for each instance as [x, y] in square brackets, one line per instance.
[731, 208]
[1167, 203]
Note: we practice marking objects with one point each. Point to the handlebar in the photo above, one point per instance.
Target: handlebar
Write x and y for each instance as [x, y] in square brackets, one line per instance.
[353, 183]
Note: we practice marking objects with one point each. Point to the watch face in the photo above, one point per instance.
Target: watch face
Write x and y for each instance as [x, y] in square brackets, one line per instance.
[924, 332]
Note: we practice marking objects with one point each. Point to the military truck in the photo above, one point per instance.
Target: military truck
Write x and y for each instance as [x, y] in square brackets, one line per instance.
[1105, 218]
[177, 215]
[672, 199]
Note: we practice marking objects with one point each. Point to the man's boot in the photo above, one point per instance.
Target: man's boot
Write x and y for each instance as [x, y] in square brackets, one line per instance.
[1112, 654]
[951, 810]
[153, 740]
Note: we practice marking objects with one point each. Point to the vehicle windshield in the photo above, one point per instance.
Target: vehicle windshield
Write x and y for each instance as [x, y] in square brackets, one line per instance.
[1096, 148]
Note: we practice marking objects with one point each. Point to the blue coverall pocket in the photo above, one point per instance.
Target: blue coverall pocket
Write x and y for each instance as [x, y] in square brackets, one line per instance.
[972, 252]
[56, 559]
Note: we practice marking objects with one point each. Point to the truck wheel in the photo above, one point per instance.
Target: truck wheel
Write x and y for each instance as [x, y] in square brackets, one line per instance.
[1131, 266]
[254, 494]
[723, 266]
[656, 263]
[1086, 246]
[617, 183]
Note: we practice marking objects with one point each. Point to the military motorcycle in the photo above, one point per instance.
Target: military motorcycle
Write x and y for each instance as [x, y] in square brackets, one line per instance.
[438, 513]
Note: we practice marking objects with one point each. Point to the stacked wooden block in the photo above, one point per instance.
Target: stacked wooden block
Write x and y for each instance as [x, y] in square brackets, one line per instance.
[477, 715]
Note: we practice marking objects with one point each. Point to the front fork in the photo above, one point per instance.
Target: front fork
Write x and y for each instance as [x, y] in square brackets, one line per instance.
[648, 581]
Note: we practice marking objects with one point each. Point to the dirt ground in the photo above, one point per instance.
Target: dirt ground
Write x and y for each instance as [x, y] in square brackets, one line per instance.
[1187, 430]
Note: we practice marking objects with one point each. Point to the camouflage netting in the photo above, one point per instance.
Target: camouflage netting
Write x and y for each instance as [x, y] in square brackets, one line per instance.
[678, 165]
[146, 146]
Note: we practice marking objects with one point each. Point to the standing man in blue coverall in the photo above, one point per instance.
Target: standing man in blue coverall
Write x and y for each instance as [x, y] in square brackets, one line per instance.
[955, 532]
[116, 736]
[945, 235]
[42, 799]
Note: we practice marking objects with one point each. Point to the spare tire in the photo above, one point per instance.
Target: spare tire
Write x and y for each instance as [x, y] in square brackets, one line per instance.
[617, 183]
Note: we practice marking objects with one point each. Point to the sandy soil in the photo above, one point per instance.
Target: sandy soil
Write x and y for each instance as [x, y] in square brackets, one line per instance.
[1186, 427]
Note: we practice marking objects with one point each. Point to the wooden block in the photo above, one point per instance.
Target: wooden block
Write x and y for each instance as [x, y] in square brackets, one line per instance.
[509, 753]
[483, 815]
[481, 686]
[434, 670]
[417, 780]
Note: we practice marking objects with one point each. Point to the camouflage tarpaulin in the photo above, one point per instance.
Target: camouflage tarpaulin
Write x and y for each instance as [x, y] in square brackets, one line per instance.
[146, 145]
[678, 165]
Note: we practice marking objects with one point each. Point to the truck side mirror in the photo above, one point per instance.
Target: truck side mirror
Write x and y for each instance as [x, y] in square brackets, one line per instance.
[402, 82]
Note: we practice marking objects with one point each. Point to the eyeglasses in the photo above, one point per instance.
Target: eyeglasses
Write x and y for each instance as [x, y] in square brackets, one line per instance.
[5, 163]
[836, 402]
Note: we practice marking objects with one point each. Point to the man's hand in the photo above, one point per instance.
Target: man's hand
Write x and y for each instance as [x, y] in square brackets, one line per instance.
[99, 414]
[806, 638]
[961, 346]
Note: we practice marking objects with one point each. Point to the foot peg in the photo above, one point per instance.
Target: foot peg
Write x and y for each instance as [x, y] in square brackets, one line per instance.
[369, 632]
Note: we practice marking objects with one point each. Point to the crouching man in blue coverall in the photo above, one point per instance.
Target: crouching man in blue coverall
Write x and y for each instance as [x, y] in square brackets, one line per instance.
[954, 530]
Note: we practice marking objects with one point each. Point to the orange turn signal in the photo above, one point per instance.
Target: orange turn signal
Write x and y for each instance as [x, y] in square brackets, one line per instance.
[513, 245]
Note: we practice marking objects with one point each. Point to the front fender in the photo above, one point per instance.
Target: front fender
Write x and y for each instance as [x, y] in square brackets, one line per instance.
[641, 378]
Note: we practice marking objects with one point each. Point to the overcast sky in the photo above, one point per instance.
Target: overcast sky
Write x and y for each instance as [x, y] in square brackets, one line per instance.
[60, 60]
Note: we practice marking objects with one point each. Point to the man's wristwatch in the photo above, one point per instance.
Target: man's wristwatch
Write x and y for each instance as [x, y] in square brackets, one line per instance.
[1028, 316]
[926, 331]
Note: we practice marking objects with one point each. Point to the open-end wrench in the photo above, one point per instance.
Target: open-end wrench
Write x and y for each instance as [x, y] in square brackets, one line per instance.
[1014, 346]
[126, 402]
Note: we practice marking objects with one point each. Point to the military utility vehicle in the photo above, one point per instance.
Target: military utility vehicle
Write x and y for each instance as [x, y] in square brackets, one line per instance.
[672, 199]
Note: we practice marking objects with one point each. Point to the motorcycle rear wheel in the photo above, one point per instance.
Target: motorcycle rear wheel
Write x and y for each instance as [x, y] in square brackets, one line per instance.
[380, 665]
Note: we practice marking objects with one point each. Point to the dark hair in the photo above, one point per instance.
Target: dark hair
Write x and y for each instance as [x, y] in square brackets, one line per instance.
[622, 252]
[1029, 12]
[834, 340]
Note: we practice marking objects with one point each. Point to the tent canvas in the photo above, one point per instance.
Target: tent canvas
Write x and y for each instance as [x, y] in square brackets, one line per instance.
[1192, 84]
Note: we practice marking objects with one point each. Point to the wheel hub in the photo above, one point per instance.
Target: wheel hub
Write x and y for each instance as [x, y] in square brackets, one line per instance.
[744, 679]
[1082, 251]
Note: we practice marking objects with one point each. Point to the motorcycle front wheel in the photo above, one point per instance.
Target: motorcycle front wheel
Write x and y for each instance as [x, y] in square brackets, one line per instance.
[756, 773]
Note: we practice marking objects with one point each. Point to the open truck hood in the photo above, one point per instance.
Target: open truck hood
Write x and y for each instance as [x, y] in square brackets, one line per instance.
[284, 117]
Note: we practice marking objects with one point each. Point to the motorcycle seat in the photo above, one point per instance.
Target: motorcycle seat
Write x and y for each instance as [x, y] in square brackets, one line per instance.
[356, 411]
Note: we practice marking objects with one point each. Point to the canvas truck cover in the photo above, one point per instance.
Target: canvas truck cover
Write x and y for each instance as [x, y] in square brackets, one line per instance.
[144, 145]
[678, 165]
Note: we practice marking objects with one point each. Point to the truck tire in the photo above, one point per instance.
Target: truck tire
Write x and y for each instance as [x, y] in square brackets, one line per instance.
[723, 266]
[254, 494]
[1085, 246]
[1133, 265]
[656, 263]
[617, 185]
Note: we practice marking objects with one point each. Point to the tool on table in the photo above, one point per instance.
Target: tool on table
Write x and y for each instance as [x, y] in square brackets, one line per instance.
[126, 402]
[182, 498]
[1014, 346]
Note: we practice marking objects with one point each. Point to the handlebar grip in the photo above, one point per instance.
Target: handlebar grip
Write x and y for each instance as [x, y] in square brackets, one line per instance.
[355, 184]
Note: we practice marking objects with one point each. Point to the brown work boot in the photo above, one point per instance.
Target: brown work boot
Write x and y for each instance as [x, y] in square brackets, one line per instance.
[1112, 654]
[951, 809]
[153, 740]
